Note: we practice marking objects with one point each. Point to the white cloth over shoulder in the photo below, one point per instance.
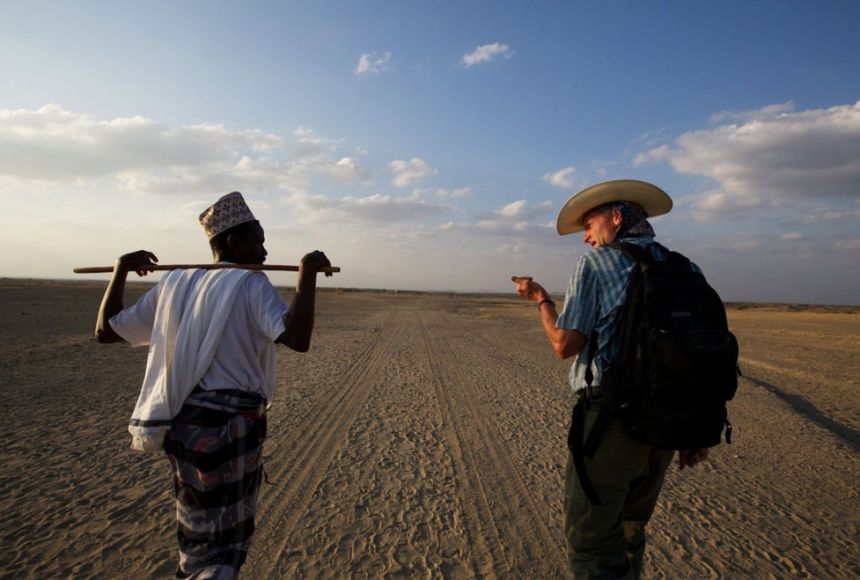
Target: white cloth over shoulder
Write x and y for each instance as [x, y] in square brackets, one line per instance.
[190, 316]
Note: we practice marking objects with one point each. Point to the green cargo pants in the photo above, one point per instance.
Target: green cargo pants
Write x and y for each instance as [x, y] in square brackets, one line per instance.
[608, 540]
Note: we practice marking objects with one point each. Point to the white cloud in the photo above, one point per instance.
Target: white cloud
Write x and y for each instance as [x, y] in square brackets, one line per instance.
[718, 203]
[521, 210]
[56, 146]
[52, 144]
[791, 236]
[768, 112]
[486, 53]
[518, 217]
[372, 208]
[772, 156]
[853, 244]
[449, 227]
[408, 172]
[388, 208]
[370, 63]
[746, 245]
[307, 136]
[458, 193]
[651, 156]
[348, 170]
[310, 147]
[601, 167]
[562, 178]
[837, 215]
[515, 248]
[513, 209]
[246, 173]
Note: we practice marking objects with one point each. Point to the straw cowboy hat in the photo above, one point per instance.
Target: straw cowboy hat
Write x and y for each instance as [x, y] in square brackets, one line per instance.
[653, 200]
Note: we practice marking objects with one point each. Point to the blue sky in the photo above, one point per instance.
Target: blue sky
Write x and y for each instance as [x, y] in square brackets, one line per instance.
[429, 145]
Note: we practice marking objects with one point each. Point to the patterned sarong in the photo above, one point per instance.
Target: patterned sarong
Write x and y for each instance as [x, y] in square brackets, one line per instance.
[215, 448]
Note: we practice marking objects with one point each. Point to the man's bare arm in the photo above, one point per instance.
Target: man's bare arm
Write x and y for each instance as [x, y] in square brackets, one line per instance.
[565, 343]
[112, 303]
[299, 321]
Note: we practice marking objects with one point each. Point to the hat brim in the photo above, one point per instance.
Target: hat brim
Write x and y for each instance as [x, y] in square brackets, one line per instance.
[653, 200]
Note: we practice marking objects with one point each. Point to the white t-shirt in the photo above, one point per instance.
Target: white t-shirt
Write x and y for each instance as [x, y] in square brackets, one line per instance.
[245, 358]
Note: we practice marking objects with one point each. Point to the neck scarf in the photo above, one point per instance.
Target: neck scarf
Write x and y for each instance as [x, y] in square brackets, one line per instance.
[634, 222]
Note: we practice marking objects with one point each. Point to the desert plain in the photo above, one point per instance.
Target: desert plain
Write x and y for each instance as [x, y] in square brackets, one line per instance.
[422, 436]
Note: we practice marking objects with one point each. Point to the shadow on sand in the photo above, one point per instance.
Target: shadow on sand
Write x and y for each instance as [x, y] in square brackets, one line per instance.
[849, 436]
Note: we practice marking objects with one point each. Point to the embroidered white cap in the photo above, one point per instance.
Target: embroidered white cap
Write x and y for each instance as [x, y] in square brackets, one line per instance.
[231, 210]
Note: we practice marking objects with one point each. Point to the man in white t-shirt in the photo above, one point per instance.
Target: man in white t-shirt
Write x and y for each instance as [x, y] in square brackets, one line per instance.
[210, 375]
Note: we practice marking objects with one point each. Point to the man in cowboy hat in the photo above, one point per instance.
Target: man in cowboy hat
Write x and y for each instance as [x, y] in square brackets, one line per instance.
[209, 378]
[605, 540]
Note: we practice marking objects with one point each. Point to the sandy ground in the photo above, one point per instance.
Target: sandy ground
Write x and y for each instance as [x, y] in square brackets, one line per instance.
[422, 436]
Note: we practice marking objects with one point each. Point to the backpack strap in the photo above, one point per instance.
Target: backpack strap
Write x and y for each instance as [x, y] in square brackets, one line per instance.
[575, 442]
[639, 254]
[590, 353]
[582, 447]
[643, 256]
[601, 422]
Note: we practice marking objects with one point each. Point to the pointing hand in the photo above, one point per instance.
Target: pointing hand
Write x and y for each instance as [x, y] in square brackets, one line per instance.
[529, 289]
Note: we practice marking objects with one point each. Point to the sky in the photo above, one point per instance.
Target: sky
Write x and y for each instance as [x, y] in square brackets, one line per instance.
[430, 145]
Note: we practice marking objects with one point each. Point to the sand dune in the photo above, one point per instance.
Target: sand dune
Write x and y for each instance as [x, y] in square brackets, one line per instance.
[422, 436]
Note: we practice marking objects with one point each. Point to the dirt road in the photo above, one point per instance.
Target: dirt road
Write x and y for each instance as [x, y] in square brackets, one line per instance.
[423, 436]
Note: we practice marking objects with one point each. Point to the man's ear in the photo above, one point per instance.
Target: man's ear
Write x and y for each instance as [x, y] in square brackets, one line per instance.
[232, 242]
[617, 218]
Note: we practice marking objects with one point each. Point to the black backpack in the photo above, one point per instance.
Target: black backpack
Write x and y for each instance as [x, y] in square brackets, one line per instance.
[678, 361]
[677, 365]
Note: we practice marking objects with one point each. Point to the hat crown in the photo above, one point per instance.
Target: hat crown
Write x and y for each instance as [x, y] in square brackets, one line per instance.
[229, 211]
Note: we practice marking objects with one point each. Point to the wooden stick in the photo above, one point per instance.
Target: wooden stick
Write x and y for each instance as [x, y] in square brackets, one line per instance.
[109, 269]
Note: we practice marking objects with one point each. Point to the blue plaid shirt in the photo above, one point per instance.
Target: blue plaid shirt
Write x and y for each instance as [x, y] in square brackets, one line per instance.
[594, 304]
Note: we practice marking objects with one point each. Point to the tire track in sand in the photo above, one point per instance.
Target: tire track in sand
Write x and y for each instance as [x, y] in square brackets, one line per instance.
[309, 449]
[510, 534]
